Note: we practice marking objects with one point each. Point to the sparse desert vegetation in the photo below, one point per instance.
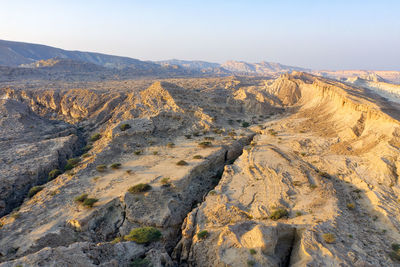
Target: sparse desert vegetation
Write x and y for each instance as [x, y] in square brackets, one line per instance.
[54, 174]
[115, 165]
[278, 214]
[34, 190]
[139, 188]
[182, 163]
[95, 137]
[202, 234]
[329, 238]
[85, 200]
[124, 127]
[144, 235]
[101, 168]
[205, 144]
[72, 163]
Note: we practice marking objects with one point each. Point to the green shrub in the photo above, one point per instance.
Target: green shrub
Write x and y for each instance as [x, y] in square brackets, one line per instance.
[165, 181]
[124, 127]
[95, 137]
[202, 234]
[85, 200]
[137, 152]
[329, 238]
[54, 173]
[205, 144]
[34, 190]
[297, 183]
[73, 162]
[144, 235]
[140, 263]
[252, 251]
[117, 240]
[89, 202]
[245, 124]
[395, 254]
[218, 131]
[155, 152]
[188, 136]
[209, 138]
[298, 213]
[87, 148]
[350, 206]
[139, 188]
[68, 167]
[197, 157]
[115, 165]
[272, 132]
[251, 263]
[170, 145]
[313, 186]
[396, 247]
[278, 214]
[101, 168]
[181, 163]
[81, 198]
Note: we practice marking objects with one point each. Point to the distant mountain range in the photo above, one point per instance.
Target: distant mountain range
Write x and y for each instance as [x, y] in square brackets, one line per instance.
[21, 59]
[33, 61]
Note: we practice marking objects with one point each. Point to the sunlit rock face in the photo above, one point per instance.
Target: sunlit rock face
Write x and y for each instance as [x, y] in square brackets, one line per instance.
[294, 170]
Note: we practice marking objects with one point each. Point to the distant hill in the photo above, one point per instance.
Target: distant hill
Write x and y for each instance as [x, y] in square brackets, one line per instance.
[259, 68]
[371, 75]
[234, 67]
[15, 54]
[191, 64]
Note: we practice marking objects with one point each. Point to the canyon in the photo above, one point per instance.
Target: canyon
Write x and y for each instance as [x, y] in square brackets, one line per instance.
[276, 170]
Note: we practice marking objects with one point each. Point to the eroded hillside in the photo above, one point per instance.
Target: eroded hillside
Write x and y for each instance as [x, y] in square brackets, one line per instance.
[234, 171]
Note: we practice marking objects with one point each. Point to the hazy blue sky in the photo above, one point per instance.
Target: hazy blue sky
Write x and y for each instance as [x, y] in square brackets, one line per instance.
[319, 34]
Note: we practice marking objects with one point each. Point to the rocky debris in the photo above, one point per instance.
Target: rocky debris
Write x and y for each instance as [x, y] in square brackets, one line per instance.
[82, 254]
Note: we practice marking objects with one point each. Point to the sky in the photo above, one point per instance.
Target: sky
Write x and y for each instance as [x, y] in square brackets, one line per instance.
[316, 34]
